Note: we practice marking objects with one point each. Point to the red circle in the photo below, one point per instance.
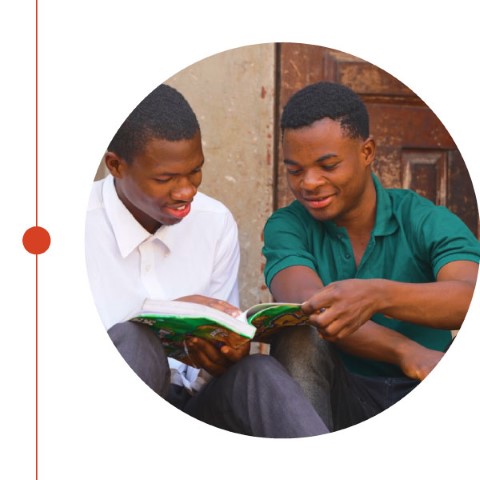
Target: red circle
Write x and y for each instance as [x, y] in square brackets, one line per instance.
[36, 240]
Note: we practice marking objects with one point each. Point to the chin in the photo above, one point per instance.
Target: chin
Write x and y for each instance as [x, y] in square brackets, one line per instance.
[170, 221]
[322, 216]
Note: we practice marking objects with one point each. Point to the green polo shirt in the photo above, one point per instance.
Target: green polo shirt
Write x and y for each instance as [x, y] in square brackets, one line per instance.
[411, 241]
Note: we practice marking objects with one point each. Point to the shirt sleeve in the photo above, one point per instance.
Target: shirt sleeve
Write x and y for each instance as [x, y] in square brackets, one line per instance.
[224, 281]
[193, 379]
[286, 243]
[444, 238]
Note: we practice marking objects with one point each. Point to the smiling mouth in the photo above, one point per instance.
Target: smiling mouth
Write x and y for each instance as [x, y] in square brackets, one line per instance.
[319, 202]
[179, 211]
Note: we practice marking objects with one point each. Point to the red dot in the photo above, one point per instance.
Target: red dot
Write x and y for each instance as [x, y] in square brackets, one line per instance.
[36, 240]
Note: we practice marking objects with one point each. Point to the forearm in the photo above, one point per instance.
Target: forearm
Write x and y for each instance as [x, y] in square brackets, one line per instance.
[440, 305]
[374, 342]
[295, 295]
[295, 285]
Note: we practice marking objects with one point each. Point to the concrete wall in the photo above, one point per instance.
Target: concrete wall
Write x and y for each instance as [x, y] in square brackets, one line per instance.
[232, 94]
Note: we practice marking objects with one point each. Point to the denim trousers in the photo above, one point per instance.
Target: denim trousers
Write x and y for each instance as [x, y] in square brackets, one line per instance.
[255, 397]
[341, 398]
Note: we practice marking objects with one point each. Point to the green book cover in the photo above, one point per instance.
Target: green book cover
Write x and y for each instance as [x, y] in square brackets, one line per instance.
[268, 319]
[173, 321]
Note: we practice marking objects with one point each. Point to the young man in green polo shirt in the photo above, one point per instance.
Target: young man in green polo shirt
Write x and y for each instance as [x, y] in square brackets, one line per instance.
[385, 274]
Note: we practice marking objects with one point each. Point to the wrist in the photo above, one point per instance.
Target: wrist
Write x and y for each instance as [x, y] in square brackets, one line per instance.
[381, 295]
[406, 350]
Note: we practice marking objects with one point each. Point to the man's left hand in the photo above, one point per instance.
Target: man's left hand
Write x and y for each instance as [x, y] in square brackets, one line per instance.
[216, 361]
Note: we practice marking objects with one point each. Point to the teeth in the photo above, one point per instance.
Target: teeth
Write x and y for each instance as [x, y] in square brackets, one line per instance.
[183, 207]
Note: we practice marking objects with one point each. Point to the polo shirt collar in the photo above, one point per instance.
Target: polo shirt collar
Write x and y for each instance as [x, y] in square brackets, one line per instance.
[385, 222]
[129, 234]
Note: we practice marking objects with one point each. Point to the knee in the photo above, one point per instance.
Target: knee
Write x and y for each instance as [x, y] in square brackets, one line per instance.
[298, 342]
[142, 350]
[128, 332]
[301, 348]
[257, 362]
[137, 342]
[295, 338]
[257, 366]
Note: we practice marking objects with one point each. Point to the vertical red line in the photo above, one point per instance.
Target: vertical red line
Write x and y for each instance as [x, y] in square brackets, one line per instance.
[36, 366]
[36, 113]
[36, 223]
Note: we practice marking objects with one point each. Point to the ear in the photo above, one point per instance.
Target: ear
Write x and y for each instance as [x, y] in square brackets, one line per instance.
[368, 150]
[116, 165]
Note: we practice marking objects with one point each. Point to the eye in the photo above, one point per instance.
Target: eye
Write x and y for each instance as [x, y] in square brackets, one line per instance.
[330, 167]
[162, 179]
[294, 172]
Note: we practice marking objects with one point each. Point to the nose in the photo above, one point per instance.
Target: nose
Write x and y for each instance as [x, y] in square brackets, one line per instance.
[184, 190]
[312, 179]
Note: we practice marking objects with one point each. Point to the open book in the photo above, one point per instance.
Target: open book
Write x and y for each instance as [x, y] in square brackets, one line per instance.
[173, 321]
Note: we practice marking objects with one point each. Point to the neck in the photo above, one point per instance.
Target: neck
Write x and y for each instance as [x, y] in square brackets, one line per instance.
[147, 222]
[359, 222]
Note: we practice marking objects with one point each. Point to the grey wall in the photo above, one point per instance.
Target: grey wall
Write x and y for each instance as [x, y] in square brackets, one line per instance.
[232, 94]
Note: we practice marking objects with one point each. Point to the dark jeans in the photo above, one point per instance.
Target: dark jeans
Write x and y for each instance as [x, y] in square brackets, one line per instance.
[256, 396]
[341, 398]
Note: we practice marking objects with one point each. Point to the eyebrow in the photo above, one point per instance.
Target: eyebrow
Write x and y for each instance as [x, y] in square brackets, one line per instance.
[169, 174]
[318, 160]
[201, 164]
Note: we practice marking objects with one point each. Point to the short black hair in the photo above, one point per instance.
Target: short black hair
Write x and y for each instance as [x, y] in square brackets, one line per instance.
[164, 113]
[327, 100]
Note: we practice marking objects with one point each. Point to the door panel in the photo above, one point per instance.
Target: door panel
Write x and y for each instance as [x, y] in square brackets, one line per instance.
[425, 172]
[460, 192]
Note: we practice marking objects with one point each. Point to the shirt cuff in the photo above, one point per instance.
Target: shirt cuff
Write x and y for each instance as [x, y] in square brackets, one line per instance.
[193, 379]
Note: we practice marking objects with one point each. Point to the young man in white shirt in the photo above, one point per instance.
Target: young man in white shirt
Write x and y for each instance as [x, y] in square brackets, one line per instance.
[150, 234]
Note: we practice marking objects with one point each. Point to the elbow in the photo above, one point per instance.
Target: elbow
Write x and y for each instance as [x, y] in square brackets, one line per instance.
[463, 305]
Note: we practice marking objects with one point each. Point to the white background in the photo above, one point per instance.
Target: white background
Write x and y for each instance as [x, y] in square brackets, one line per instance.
[97, 60]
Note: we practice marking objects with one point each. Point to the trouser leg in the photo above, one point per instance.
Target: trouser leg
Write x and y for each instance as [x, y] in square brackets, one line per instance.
[342, 399]
[257, 397]
[308, 359]
[143, 352]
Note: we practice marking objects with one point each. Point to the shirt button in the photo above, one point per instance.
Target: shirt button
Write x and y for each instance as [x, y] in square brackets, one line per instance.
[147, 268]
[347, 255]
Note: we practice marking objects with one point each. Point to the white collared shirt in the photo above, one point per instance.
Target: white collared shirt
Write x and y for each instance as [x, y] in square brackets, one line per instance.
[126, 264]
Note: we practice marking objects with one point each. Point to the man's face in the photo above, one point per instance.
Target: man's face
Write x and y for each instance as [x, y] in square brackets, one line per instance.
[159, 184]
[327, 171]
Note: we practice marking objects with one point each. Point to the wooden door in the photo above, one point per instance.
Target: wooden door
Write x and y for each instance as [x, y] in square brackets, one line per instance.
[414, 150]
